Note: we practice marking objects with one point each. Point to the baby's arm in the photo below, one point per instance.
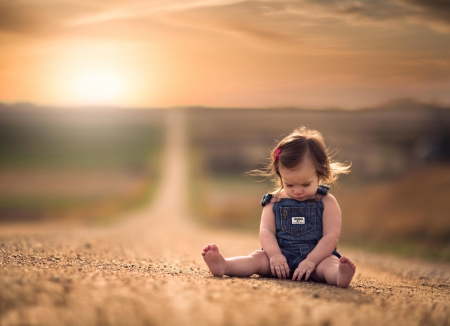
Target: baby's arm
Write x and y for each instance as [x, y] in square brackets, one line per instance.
[267, 230]
[331, 232]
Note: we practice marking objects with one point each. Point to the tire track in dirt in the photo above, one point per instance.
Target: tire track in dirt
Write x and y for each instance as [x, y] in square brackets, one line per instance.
[148, 270]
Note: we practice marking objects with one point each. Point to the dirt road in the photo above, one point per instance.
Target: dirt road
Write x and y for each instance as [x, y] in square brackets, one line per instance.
[148, 271]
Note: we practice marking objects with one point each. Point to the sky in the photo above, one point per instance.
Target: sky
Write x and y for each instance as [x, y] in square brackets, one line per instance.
[224, 53]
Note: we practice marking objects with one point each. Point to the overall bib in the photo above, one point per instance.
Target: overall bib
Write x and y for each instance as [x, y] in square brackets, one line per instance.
[298, 226]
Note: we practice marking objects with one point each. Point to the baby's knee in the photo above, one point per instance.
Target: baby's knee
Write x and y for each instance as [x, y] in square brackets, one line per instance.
[261, 262]
[330, 261]
[259, 255]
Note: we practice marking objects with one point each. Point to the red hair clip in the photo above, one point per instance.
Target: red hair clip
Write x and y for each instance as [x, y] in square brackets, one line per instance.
[277, 154]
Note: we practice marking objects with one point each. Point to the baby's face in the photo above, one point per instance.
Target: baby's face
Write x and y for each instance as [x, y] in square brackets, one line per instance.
[301, 182]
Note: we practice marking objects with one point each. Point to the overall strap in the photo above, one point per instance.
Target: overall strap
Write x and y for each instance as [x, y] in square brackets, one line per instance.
[269, 198]
[322, 190]
[266, 199]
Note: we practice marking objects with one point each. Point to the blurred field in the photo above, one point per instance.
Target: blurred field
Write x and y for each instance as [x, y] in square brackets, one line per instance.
[92, 165]
[81, 164]
[394, 199]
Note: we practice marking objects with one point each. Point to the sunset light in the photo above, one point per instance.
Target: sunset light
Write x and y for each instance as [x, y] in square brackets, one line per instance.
[224, 53]
[98, 87]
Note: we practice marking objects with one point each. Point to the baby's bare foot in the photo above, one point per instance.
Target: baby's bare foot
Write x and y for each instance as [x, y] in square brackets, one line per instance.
[345, 273]
[215, 261]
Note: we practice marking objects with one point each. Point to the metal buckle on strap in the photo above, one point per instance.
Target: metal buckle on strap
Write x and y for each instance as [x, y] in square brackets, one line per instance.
[266, 199]
[269, 198]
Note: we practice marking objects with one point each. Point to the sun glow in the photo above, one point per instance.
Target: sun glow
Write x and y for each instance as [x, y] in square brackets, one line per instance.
[98, 87]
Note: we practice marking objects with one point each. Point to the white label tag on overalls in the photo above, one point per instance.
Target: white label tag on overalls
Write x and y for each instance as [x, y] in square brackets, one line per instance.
[298, 220]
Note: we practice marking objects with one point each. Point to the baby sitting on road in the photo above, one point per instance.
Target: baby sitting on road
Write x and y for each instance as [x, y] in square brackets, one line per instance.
[300, 222]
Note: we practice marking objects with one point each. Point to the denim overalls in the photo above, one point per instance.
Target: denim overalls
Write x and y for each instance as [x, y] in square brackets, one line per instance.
[298, 226]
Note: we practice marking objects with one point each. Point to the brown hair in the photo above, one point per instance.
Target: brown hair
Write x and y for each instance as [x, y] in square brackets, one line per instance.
[294, 148]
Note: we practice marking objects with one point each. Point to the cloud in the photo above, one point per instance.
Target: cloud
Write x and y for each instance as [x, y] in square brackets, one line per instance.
[430, 13]
[437, 8]
[38, 17]
[139, 9]
[323, 23]
[262, 19]
[434, 12]
[241, 19]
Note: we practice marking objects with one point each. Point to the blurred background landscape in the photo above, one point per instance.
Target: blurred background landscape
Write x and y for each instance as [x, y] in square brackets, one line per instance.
[88, 166]
[85, 87]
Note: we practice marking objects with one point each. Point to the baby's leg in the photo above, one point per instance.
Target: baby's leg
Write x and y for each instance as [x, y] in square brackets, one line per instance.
[244, 266]
[335, 271]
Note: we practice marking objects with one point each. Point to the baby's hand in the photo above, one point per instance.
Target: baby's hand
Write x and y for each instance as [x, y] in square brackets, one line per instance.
[279, 266]
[306, 267]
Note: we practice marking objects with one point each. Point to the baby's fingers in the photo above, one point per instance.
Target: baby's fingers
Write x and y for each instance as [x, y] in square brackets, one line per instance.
[308, 274]
[275, 270]
[281, 272]
[299, 272]
[272, 270]
[285, 270]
